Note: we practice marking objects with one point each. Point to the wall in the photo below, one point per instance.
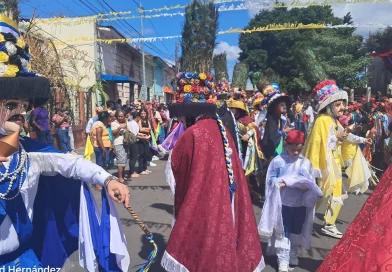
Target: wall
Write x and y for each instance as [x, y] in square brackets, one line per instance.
[119, 59]
[78, 60]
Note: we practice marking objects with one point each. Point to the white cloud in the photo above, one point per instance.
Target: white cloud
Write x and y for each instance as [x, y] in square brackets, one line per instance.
[169, 61]
[364, 13]
[369, 13]
[232, 51]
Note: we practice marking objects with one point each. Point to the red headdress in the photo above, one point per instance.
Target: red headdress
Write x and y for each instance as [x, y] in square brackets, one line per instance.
[295, 137]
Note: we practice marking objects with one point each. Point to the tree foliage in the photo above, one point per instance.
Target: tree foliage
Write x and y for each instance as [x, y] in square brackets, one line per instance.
[240, 75]
[198, 36]
[220, 67]
[302, 58]
[381, 43]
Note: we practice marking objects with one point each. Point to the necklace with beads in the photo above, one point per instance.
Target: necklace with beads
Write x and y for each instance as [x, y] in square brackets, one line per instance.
[12, 177]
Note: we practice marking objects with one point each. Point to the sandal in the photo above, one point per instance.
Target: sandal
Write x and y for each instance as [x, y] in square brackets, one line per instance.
[144, 173]
[135, 176]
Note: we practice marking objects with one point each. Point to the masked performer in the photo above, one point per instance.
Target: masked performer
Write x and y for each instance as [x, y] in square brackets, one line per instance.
[323, 149]
[46, 209]
[215, 227]
[248, 130]
[225, 114]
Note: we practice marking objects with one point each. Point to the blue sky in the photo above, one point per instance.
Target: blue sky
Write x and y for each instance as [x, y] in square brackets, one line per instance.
[166, 26]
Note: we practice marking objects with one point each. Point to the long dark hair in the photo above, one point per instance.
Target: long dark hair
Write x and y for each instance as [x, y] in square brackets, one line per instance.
[144, 110]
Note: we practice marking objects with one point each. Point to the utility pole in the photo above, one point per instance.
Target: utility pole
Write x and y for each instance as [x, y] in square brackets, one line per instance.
[144, 87]
[176, 59]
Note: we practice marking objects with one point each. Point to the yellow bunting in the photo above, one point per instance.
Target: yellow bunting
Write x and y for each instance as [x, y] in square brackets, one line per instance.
[113, 16]
[2, 38]
[271, 27]
[4, 57]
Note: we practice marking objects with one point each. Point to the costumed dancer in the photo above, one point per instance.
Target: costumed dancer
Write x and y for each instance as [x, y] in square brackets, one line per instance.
[227, 117]
[358, 169]
[275, 127]
[323, 147]
[367, 243]
[46, 209]
[291, 196]
[215, 227]
[252, 156]
[260, 110]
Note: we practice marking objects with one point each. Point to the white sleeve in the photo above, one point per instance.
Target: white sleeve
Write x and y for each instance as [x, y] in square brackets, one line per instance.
[355, 139]
[250, 132]
[70, 166]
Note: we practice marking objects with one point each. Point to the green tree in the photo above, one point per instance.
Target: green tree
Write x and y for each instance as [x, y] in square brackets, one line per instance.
[381, 43]
[220, 67]
[240, 75]
[198, 36]
[301, 58]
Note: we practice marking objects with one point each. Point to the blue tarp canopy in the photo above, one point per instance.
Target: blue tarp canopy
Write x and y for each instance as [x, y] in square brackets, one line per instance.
[119, 79]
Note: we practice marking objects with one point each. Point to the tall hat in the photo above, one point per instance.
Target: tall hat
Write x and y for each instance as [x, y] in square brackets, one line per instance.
[16, 78]
[194, 95]
[257, 99]
[272, 95]
[327, 92]
[238, 100]
[223, 90]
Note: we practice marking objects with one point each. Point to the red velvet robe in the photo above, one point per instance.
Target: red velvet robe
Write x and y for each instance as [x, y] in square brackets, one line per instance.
[204, 237]
[367, 244]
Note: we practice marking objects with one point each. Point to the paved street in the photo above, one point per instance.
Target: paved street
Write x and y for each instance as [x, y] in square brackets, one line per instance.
[152, 200]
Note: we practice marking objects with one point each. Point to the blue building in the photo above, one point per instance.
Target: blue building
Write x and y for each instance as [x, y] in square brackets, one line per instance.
[163, 75]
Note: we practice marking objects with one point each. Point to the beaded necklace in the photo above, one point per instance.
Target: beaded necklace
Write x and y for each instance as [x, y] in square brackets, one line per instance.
[228, 152]
[12, 178]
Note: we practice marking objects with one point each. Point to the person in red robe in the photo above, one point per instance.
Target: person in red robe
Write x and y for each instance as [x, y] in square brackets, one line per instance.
[215, 227]
[367, 244]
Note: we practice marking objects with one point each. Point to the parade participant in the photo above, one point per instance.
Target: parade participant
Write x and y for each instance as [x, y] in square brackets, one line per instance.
[275, 127]
[358, 169]
[252, 156]
[46, 209]
[322, 148]
[291, 196]
[366, 245]
[227, 117]
[261, 111]
[215, 227]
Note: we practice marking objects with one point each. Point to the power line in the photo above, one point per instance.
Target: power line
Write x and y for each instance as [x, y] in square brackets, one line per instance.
[151, 47]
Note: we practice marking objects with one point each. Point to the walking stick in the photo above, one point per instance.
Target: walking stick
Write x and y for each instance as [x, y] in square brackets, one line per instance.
[153, 255]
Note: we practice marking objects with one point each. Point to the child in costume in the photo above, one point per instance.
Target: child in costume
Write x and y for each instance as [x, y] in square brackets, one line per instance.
[358, 169]
[214, 225]
[323, 149]
[275, 127]
[46, 209]
[291, 196]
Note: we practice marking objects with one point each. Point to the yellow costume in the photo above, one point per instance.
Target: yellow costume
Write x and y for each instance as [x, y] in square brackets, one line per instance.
[328, 155]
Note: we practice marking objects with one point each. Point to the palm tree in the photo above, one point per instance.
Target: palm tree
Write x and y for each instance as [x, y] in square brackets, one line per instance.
[198, 36]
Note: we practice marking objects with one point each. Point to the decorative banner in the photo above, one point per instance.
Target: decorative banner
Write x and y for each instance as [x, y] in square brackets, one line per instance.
[271, 27]
[243, 6]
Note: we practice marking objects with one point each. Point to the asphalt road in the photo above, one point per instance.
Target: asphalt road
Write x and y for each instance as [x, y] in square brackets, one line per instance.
[152, 200]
